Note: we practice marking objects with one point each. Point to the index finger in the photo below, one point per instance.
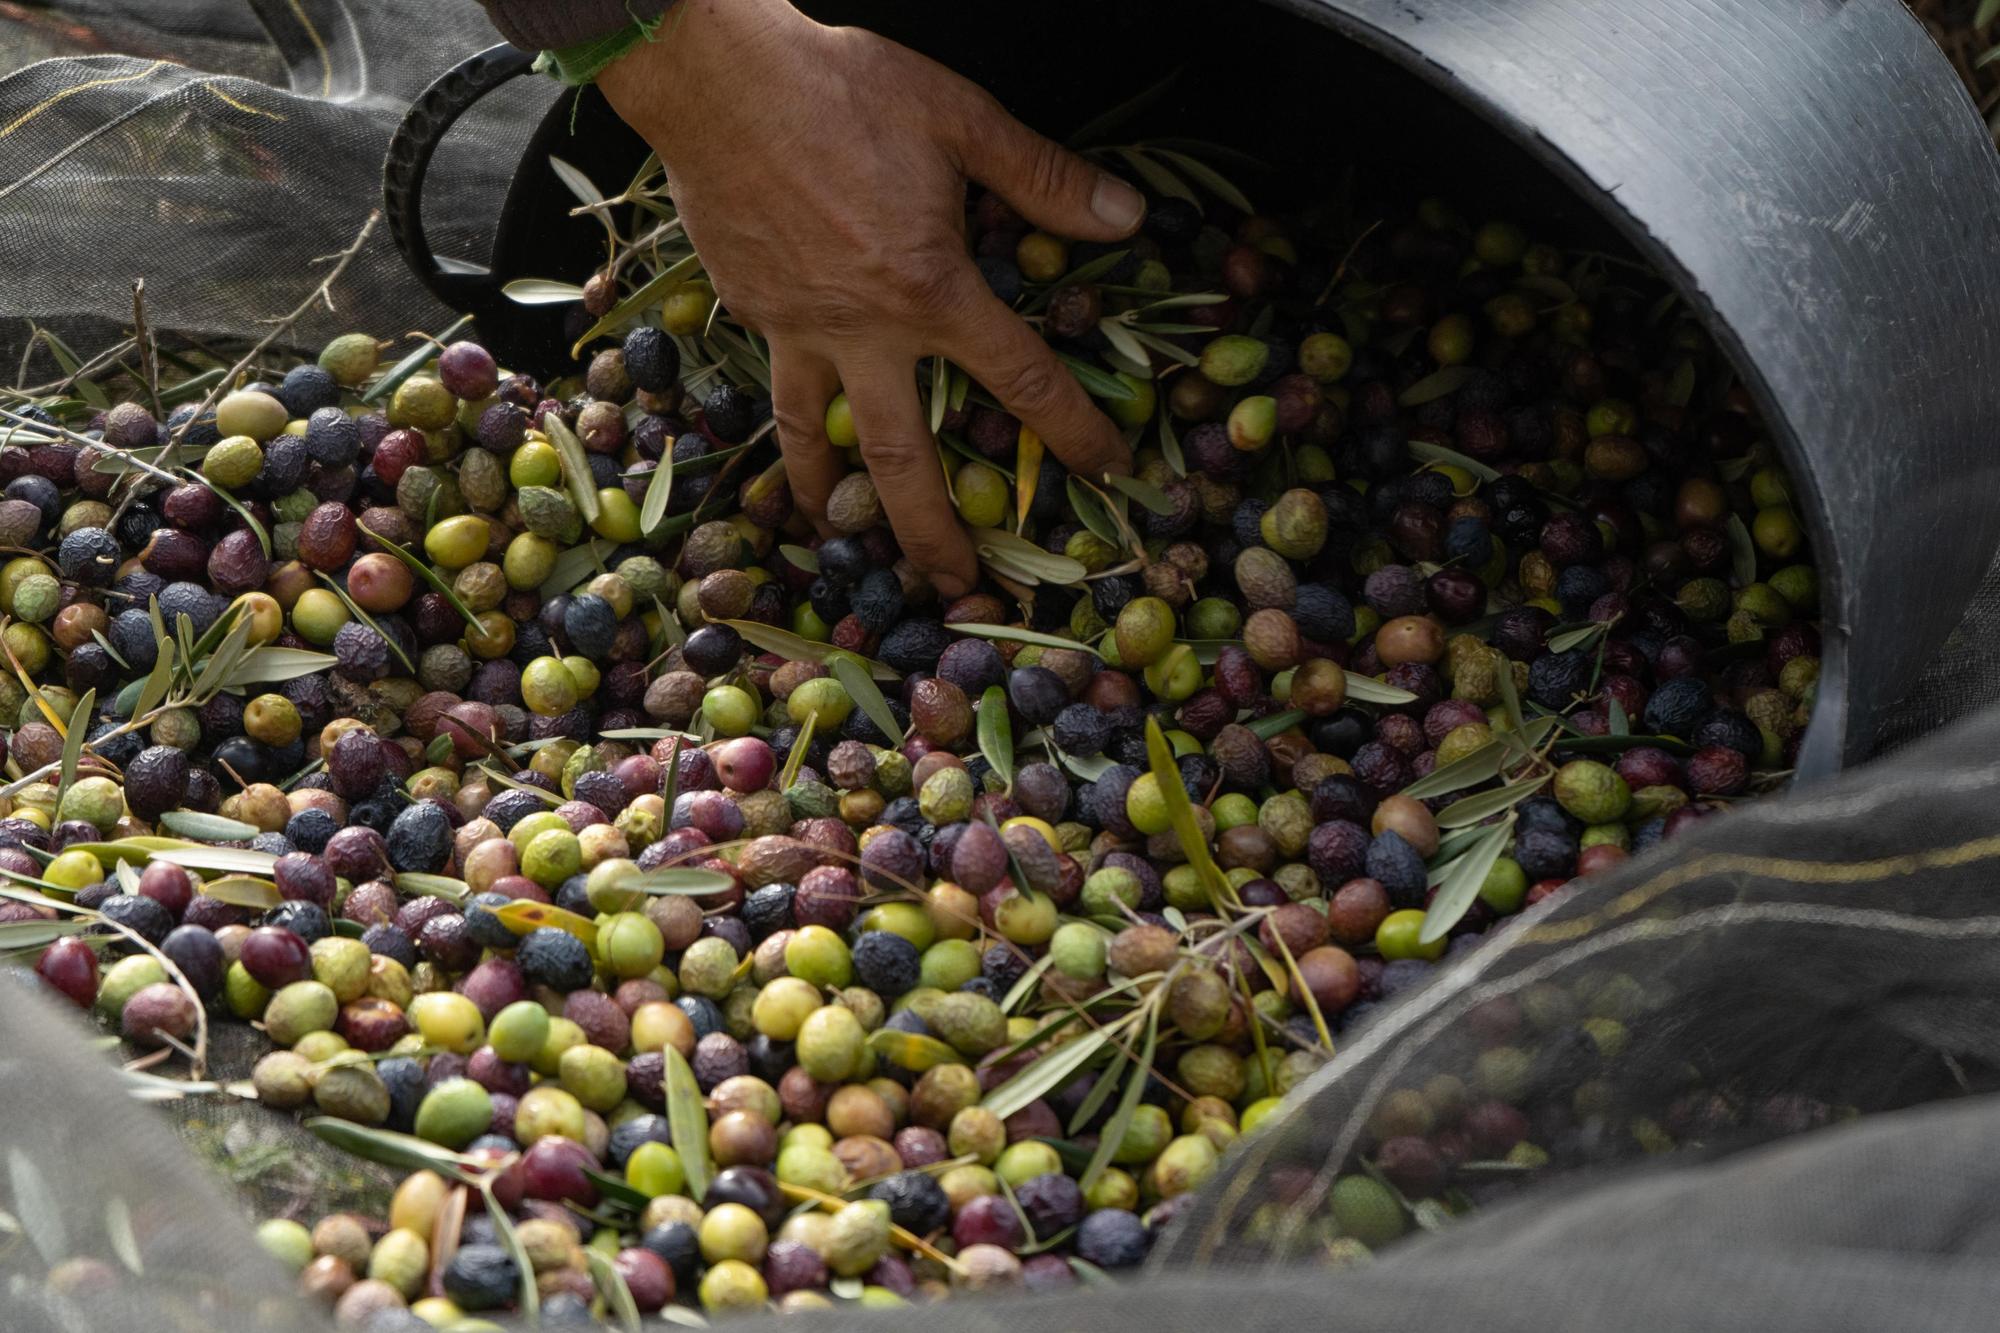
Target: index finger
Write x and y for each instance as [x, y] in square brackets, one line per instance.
[998, 348]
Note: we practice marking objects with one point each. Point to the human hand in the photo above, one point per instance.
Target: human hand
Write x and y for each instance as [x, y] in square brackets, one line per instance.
[821, 173]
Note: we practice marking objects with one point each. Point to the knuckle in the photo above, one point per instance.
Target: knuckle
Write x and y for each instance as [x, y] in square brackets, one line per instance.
[797, 426]
[1031, 387]
[1047, 168]
[925, 286]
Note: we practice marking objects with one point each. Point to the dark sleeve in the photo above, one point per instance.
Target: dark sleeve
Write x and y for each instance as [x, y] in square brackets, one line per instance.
[541, 25]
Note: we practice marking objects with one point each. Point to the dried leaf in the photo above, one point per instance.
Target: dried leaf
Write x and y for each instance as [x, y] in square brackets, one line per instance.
[523, 916]
[912, 1051]
[1458, 884]
[687, 1121]
[1027, 473]
[867, 696]
[996, 733]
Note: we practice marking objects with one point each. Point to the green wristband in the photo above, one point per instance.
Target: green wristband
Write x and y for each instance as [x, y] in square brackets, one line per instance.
[582, 63]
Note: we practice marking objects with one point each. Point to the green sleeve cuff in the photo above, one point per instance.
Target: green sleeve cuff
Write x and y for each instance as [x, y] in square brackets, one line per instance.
[582, 63]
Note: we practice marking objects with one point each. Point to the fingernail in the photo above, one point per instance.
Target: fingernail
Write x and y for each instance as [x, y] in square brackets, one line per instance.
[1117, 204]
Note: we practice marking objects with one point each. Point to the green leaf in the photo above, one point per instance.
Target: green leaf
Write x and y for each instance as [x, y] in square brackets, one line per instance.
[269, 664]
[1548, 286]
[654, 291]
[1098, 383]
[1015, 634]
[1267, 727]
[658, 492]
[1130, 348]
[1510, 698]
[1147, 494]
[644, 734]
[207, 828]
[1620, 724]
[541, 291]
[79, 726]
[576, 182]
[801, 557]
[575, 467]
[406, 1151]
[1469, 770]
[1680, 388]
[574, 566]
[1368, 690]
[355, 610]
[243, 891]
[1157, 178]
[801, 743]
[682, 880]
[1618, 744]
[1087, 272]
[787, 644]
[34, 934]
[1180, 813]
[1576, 638]
[611, 1286]
[1128, 1105]
[510, 1240]
[1447, 380]
[1459, 883]
[1988, 11]
[1488, 803]
[1170, 443]
[424, 572]
[249, 519]
[912, 1051]
[867, 695]
[1742, 553]
[996, 733]
[1100, 1093]
[1090, 512]
[1045, 1073]
[1149, 336]
[1208, 178]
[1045, 566]
[1426, 452]
[1105, 122]
[36, 1207]
[417, 884]
[687, 1122]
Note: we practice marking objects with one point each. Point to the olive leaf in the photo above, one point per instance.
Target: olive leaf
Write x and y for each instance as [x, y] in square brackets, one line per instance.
[355, 610]
[867, 696]
[1448, 380]
[1180, 813]
[687, 1121]
[658, 492]
[118, 1230]
[419, 885]
[424, 572]
[541, 291]
[996, 733]
[1044, 565]
[522, 916]
[271, 664]
[575, 467]
[1170, 443]
[642, 734]
[940, 395]
[801, 557]
[1047, 1072]
[789, 645]
[912, 1051]
[1368, 690]
[35, 934]
[243, 891]
[1488, 803]
[1027, 474]
[1510, 698]
[1742, 553]
[1087, 272]
[685, 881]
[1458, 883]
[510, 1240]
[1090, 512]
[1576, 638]
[207, 828]
[574, 566]
[1100, 1093]
[1267, 727]
[1025, 987]
[1680, 386]
[37, 1207]
[72, 751]
[1207, 177]
[1119, 335]
[797, 757]
[392, 1149]
[1098, 383]
[611, 1286]
[1157, 178]
[1147, 494]
[1615, 744]
[654, 290]
[1113, 1135]
[1426, 452]
[1469, 770]
[1619, 723]
[1015, 634]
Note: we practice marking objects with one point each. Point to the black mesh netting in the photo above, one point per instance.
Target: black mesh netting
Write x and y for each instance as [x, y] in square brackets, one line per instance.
[1741, 1083]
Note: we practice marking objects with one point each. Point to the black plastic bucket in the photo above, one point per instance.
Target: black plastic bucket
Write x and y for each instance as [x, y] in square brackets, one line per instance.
[1808, 172]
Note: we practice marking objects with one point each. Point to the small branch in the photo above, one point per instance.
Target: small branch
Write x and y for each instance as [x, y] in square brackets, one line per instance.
[149, 351]
[282, 326]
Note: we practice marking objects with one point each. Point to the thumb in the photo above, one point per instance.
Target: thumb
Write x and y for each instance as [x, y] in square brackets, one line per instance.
[1046, 184]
